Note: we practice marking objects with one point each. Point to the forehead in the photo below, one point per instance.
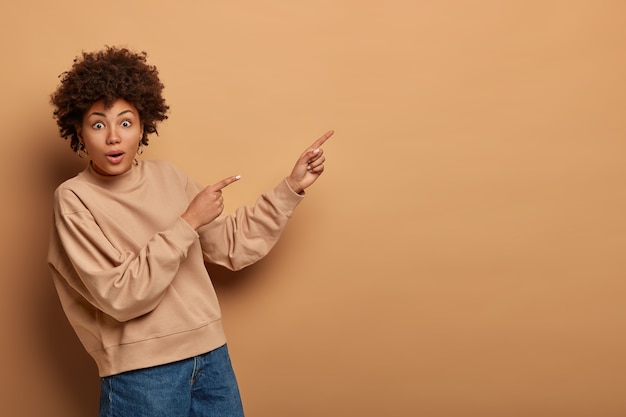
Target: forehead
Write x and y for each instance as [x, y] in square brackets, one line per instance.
[113, 109]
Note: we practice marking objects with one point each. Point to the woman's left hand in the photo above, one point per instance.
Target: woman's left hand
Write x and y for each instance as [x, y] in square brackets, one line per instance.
[309, 166]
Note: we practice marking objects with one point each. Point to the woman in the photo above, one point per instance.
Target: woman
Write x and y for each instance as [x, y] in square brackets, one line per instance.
[130, 240]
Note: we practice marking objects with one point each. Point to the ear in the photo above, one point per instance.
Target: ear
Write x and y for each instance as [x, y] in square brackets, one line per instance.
[79, 132]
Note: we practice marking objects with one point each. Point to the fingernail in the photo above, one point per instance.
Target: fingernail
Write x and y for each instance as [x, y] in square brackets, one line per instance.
[316, 150]
[238, 177]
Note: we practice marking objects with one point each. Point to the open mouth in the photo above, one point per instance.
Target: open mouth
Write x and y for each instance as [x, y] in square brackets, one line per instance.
[115, 157]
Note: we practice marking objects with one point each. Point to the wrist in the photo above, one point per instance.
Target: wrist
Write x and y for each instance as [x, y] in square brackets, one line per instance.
[295, 187]
[187, 218]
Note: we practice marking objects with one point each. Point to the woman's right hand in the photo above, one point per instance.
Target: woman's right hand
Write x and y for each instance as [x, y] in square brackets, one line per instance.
[208, 204]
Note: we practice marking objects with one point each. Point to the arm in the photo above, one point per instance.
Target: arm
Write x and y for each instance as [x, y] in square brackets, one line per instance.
[238, 240]
[242, 238]
[123, 284]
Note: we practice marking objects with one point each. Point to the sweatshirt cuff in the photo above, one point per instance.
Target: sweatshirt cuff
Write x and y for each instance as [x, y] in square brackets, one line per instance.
[186, 231]
[285, 199]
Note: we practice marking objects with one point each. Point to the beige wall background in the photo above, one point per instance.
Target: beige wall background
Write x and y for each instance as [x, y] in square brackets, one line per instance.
[463, 254]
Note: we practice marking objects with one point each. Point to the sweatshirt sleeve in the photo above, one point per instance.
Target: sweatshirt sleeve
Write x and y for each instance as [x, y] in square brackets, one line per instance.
[239, 239]
[123, 284]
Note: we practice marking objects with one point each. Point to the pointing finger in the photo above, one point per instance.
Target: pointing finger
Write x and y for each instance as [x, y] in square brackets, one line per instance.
[223, 183]
[323, 139]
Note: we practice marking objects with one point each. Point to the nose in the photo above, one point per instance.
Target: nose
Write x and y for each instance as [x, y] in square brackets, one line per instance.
[113, 137]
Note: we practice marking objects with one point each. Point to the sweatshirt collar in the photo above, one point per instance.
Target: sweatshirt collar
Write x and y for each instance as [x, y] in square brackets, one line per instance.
[119, 182]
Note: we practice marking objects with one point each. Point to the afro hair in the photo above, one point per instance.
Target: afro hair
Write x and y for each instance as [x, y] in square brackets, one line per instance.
[110, 74]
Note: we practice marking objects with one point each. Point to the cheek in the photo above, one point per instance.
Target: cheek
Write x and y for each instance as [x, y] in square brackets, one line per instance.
[134, 141]
[138, 133]
[91, 138]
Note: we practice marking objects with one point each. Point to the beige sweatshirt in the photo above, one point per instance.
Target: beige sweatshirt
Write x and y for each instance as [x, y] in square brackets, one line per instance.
[130, 271]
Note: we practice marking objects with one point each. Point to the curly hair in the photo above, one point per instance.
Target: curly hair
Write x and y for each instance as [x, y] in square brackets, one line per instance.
[110, 74]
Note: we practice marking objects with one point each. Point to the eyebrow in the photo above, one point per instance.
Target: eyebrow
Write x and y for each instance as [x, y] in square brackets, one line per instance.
[97, 113]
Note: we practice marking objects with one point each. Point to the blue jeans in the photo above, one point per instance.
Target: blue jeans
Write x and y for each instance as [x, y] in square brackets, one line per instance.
[202, 386]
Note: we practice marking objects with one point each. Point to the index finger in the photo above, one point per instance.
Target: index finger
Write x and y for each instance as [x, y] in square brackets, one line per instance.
[223, 183]
[323, 139]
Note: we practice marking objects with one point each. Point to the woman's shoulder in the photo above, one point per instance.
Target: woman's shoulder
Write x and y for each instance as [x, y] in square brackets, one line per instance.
[69, 195]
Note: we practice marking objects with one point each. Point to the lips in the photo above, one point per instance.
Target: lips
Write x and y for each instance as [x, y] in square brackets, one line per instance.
[115, 157]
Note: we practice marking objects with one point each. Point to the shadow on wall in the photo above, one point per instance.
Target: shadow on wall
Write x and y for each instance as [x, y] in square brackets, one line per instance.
[76, 375]
[232, 286]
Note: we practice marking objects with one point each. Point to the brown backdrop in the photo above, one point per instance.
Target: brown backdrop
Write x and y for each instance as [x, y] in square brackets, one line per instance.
[461, 256]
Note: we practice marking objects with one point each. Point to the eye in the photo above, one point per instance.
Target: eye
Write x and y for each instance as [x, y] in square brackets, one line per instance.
[98, 125]
[126, 123]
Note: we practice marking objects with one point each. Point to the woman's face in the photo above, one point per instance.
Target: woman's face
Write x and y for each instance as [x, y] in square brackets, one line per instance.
[111, 136]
